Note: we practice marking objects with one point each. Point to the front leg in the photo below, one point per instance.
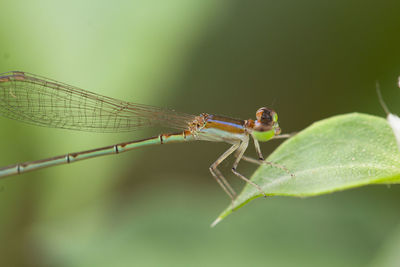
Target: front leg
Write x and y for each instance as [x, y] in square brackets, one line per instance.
[284, 136]
[263, 162]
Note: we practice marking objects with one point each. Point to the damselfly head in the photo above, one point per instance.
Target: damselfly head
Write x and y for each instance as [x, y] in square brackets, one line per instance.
[266, 116]
[266, 126]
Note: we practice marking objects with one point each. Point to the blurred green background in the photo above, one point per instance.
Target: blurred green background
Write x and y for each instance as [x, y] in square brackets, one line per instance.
[152, 207]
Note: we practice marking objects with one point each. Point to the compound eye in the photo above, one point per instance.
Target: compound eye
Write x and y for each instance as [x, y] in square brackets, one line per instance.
[266, 116]
[274, 116]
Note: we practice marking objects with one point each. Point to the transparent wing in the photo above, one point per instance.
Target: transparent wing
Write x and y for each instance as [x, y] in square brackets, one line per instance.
[44, 102]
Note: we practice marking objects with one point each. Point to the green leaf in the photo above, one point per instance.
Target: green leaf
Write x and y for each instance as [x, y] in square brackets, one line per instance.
[334, 154]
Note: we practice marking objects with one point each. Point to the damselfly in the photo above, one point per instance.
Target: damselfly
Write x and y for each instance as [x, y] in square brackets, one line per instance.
[45, 102]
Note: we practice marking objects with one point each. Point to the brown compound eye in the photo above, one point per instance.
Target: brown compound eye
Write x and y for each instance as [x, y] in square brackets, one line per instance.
[266, 116]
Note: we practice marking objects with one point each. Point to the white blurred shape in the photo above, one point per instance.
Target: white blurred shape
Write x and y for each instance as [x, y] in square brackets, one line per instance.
[393, 120]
